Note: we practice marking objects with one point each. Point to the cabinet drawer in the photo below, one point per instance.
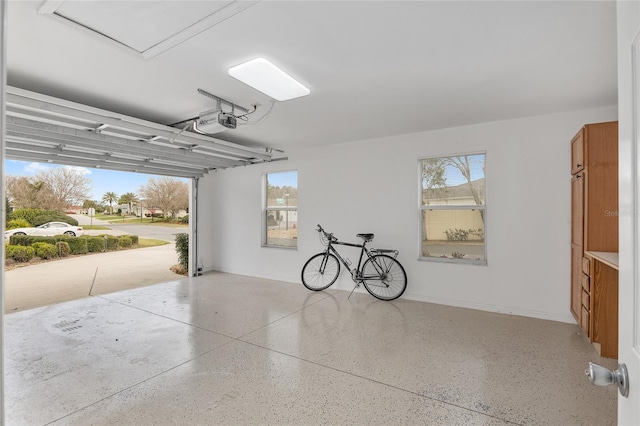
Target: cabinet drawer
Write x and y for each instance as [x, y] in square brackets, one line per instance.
[584, 321]
[585, 300]
[586, 283]
[585, 265]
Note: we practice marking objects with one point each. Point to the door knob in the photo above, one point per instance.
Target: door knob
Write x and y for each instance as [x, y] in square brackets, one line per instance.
[601, 376]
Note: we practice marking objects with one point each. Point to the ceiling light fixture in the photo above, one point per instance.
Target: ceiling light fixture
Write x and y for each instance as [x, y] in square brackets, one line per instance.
[267, 78]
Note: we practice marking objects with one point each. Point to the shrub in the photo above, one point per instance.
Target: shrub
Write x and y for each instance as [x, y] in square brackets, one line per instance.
[135, 240]
[457, 234]
[63, 248]
[182, 248]
[26, 214]
[27, 240]
[45, 250]
[112, 242]
[37, 217]
[76, 245]
[125, 241]
[95, 244]
[185, 219]
[463, 234]
[20, 253]
[51, 216]
[18, 223]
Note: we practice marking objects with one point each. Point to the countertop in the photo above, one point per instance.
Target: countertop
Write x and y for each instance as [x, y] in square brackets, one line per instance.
[607, 257]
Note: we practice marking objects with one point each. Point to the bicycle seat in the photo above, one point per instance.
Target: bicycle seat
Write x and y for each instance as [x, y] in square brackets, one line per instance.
[366, 237]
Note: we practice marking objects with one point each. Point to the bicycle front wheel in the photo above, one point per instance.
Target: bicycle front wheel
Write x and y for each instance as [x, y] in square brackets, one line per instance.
[384, 277]
[320, 271]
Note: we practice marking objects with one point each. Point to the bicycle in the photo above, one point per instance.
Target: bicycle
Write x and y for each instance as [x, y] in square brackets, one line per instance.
[381, 273]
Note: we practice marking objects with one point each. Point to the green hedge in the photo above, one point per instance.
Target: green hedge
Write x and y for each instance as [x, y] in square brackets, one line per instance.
[45, 250]
[37, 217]
[76, 245]
[53, 217]
[27, 240]
[125, 241]
[112, 242]
[66, 245]
[95, 244]
[63, 248]
[17, 223]
[182, 248]
[20, 253]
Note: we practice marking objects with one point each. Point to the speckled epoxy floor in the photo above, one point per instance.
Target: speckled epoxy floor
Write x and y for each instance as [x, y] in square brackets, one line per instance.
[226, 349]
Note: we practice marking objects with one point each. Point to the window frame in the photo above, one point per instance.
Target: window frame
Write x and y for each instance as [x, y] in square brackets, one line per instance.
[265, 208]
[422, 208]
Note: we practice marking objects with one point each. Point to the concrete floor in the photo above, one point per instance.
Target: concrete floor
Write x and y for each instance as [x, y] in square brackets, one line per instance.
[227, 349]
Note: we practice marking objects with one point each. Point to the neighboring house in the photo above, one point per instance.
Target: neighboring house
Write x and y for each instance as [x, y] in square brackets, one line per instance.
[76, 210]
[438, 223]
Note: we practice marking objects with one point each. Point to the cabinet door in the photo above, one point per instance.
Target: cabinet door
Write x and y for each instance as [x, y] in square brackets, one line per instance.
[577, 152]
[576, 281]
[577, 208]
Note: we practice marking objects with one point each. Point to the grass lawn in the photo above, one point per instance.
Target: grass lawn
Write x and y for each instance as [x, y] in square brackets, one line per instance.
[95, 227]
[150, 242]
[145, 221]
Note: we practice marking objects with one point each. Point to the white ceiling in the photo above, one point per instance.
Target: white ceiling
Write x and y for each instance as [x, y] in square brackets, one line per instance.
[374, 68]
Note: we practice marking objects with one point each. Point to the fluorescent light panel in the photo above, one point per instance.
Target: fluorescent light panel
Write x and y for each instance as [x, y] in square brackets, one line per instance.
[265, 77]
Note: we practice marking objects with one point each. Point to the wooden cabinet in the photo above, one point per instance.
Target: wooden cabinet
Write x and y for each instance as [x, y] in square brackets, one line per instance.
[594, 222]
[600, 302]
[577, 153]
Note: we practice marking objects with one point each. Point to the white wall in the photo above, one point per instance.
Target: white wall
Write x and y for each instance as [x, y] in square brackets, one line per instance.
[373, 186]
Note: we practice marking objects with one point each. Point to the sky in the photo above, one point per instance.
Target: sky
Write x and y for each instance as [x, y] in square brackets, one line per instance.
[289, 178]
[101, 180]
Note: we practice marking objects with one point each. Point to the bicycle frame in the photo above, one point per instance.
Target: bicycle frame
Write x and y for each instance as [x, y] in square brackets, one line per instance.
[356, 274]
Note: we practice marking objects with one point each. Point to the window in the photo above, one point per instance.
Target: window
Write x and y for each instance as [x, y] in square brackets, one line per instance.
[453, 209]
[280, 214]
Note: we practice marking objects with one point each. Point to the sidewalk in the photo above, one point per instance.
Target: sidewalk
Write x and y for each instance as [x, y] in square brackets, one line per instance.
[68, 279]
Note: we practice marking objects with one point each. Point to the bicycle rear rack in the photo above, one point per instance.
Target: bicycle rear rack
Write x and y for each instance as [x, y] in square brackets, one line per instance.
[385, 251]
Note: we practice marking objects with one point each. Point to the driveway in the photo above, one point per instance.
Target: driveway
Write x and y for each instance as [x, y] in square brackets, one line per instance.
[77, 277]
[73, 278]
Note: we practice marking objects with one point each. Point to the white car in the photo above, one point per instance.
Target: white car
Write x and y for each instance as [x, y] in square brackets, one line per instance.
[47, 230]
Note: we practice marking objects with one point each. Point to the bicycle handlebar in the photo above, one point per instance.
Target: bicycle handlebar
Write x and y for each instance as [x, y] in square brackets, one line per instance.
[326, 234]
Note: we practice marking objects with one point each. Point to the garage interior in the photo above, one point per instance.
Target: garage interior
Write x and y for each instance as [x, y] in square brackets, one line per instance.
[119, 85]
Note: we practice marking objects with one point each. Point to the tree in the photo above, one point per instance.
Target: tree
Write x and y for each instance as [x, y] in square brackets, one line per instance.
[24, 192]
[110, 198]
[433, 175]
[128, 198]
[166, 193]
[89, 204]
[463, 164]
[51, 189]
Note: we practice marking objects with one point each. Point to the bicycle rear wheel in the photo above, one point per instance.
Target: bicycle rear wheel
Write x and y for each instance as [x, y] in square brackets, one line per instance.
[384, 277]
[320, 271]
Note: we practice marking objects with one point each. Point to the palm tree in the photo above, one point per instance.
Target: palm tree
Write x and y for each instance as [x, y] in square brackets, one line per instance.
[110, 197]
[128, 198]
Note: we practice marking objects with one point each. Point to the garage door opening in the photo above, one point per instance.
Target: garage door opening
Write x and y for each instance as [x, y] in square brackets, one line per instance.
[49, 132]
[129, 223]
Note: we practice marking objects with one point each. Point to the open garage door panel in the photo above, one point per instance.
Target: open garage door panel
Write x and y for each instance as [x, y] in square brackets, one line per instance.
[46, 129]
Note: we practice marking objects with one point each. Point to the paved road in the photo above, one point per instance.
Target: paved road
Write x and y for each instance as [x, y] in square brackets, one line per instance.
[165, 233]
[159, 232]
